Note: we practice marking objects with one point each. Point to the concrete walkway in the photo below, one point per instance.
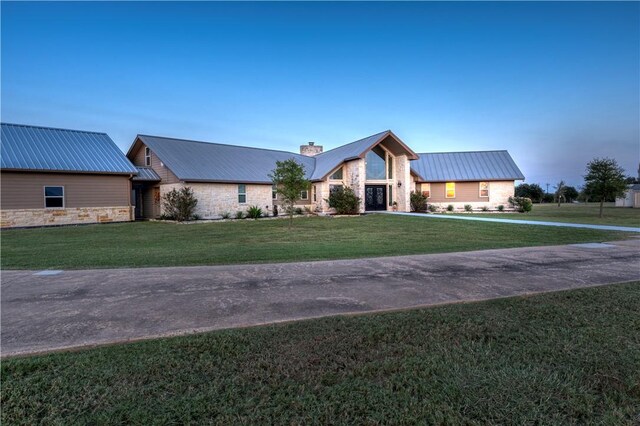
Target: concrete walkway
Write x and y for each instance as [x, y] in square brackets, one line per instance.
[517, 221]
[64, 309]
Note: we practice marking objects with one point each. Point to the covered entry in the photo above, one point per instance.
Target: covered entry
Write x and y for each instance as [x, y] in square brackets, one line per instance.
[145, 193]
[375, 197]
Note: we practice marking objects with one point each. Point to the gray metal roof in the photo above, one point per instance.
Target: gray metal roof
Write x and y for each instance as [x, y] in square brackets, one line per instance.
[47, 149]
[213, 162]
[146, 174]
[466, 166]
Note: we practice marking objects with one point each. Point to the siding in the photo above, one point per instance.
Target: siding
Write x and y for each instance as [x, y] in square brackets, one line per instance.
[165, 174]
[25, 190]
[465, 191]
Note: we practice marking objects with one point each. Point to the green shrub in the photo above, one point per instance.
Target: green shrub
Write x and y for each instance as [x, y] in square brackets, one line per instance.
[450, 208]
[485, 209]
[298, 210]
[467, 207]
[418, 201]
[225, 215]
[179, 204]
[522, 204]
[344, 200]
[239, 214]
[254, 212]
[500, 208]
[432, 208]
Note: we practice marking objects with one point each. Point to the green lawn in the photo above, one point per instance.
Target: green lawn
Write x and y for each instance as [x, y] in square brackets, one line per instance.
[576, 213]
[559, 358]
[248, 241]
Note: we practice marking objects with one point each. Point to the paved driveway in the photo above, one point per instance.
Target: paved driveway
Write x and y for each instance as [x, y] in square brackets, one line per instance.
[88, 307]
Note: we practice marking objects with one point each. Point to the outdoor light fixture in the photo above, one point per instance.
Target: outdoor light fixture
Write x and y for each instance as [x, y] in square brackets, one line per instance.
[399, 184]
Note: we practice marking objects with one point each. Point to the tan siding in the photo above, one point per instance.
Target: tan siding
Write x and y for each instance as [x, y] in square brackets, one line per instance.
[26, 190]
[167, 176]
[465, 191]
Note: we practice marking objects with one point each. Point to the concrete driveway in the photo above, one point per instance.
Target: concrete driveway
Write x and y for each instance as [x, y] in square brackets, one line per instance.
[51, 311]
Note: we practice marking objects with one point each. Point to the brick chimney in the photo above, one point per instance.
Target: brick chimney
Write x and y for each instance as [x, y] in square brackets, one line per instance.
[310, 149]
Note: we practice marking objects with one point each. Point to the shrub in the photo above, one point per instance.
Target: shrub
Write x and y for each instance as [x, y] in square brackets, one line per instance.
[297, 210]
[239, 214]
[254, 212]
[450, 208]
[522, 204]
[179, 204]
[344, 200]
[418, 201]
[485, 209]
[467, 207]
[432, 208]
[500, 208]
[225, 215]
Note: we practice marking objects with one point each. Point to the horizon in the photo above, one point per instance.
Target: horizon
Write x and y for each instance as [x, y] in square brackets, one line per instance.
[555, 84]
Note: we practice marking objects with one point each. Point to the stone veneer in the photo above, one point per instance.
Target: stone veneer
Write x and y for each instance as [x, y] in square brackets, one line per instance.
[67, 216]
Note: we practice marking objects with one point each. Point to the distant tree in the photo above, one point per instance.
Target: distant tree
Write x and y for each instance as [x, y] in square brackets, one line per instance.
[605, 180]
[532, 191]
[289, 179]
[559, 195]
[630, 180]
[570, 194]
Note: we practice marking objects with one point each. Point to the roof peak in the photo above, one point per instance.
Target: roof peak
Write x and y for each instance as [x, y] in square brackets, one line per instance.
[350, 143]
[52, 128]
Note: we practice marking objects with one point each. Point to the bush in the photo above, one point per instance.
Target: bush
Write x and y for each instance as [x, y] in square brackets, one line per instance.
[522, 204]
[467, 207]
[500, 208]
[450, 208]
[179, 204]
[297, 210]
[432, 208]
[485, 209]
[418, 202]
[254, 212]
[344, 200]
[226, 215]
[239, 214]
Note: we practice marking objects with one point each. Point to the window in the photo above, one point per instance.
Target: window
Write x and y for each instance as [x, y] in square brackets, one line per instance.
[304, 194]
[333, 188]
[390, 167]
[315, 193]
[242, 193]
[376, 167]
[450, 190]
[337, 175]
[53, 197]
[426, 189]
[274, 192]
[147, 156]
[484, 189]
[391, 195]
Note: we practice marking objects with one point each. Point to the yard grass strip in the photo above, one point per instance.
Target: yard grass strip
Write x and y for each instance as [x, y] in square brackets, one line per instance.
[569, 357]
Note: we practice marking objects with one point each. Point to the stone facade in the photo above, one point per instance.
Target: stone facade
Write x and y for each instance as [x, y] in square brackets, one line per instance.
[215, 199]
[403, 176]
[67, 216]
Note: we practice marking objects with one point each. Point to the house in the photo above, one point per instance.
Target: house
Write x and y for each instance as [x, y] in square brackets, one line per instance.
[631, 197]
[478, 178]
[381, 169]
[59, 177]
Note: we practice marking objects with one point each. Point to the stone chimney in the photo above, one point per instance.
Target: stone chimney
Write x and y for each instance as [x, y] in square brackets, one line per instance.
[310, 149]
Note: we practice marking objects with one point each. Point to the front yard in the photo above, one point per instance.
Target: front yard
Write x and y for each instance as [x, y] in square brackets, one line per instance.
[562, 358]
[166, 244]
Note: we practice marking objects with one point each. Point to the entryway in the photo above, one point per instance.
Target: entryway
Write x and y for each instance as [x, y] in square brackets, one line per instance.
[375, 197]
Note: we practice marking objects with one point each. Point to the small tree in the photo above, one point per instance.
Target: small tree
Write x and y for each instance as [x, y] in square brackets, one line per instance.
[570, 193]
[533, 191]
[344, 200]
[560, 187]
[180, 204]
[289, 179]
[604, 180]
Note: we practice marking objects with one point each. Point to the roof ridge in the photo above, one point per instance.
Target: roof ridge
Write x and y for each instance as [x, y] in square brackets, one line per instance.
[462, 152]
[52, 128]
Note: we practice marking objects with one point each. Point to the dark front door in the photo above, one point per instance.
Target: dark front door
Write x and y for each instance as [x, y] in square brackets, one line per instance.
[375, 197]
[138, 202]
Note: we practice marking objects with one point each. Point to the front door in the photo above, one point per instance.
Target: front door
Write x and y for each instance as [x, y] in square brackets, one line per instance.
[138, 202]
[375, 197]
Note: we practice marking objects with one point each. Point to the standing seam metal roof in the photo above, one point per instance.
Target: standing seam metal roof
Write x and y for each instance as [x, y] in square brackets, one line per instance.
[36, 148]
[466, 166]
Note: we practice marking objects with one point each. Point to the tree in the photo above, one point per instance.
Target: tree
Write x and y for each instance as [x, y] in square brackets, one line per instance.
[179, 204]
[604, 180]
[289, 179]
[532, 191]
[560, 187]
[570, 193]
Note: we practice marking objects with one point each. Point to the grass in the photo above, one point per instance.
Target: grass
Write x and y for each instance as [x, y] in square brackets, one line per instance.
[576, 213]
[570, 357]
[162, 244]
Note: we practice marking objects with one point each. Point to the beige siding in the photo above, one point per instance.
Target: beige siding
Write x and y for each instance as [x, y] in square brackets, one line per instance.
[137, 158]
[26, 190]
[465, 192]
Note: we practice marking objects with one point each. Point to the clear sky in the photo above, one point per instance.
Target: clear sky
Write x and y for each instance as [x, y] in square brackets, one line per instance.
[554, 83]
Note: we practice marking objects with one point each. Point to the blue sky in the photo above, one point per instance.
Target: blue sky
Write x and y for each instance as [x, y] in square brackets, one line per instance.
[554, 83]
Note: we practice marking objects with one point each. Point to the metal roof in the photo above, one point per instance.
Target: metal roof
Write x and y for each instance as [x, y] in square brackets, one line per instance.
[146, 174]
[36, 148]
[466, 166]
[212, 162]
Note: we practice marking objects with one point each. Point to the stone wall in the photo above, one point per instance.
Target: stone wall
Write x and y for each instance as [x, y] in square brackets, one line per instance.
[403, 176]
[67, 216]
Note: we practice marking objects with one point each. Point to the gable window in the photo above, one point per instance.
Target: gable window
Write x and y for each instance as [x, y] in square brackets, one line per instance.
[147, 156]
[242, 193]
[53, 197]
[337, 175]
[376, 164]
[426, 189]
[304, 194]
[484, 189]
[450, 190]
[274, 193]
